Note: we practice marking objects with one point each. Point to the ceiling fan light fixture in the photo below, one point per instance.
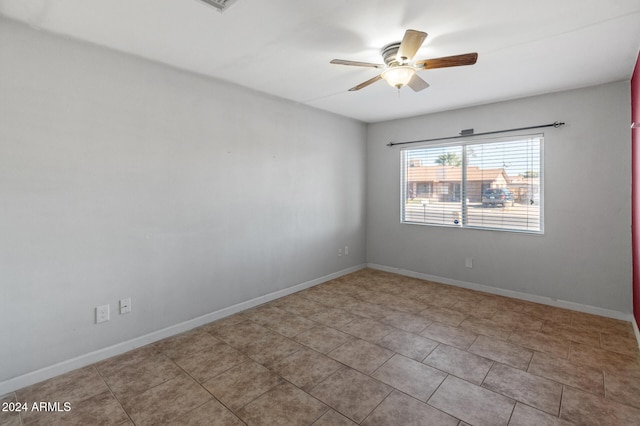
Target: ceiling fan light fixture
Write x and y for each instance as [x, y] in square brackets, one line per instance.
[398, 76]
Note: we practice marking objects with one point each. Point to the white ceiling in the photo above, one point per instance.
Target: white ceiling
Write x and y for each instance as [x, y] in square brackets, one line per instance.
[283, 47]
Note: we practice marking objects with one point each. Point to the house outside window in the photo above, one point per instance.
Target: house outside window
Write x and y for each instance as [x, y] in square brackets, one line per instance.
[491, 184]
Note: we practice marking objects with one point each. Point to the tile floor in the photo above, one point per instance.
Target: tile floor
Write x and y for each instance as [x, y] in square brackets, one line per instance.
[370, 348]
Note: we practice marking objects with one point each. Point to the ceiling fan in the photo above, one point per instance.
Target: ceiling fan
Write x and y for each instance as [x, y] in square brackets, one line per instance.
[399, 67]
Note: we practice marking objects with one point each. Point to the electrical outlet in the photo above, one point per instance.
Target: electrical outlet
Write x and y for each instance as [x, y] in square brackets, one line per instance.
[102, 314]
[125, 306]
[339, 252]
[468, 262]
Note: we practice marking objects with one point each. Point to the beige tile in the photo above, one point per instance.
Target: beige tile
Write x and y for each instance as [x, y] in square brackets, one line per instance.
[611, 362]
[290, 325]
[410, 377]
[579, 376]
[11, 415]
[298, 305]
[535, 391]
[513, 305]
[328, 297]
[541, 342]
[13, 420]
[306, 368]
[367, 310]
[264, 314]
[408, 344]
[270, 348]
[400, 409]
[361, 355]
[444, 315]
[483, 308]
[243, 334]
[406, 304]
[401, 315]
[471, 403]
[486, 327]
[549, 313]
[440, 298]
[284, 404]
[623, 389]
[210, 362]
[333, 418]
[583, 408]
[164, 402]
[187, 343]
[620, 344]
[452, 336]
[462, 364]
[504, 352]
[351, 393]
[74, 387]
[242, 384]
[517, 320]
[523, 415]
[141, 376]
[367, 329]
[334, 317]
[574, 334]
[353, 290]
[215, 326]
[323, 339]
[100, 409]
[381, 298]
[407, 322]
[469, 297]
[211, 413]
[131, 358]
[602, 324]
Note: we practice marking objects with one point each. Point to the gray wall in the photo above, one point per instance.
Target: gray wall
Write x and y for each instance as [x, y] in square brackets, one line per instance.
[123, 178]
[584, 255]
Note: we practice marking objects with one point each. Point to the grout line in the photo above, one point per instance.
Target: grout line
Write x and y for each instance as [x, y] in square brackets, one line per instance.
[113, 394]
[493, 363]
[533, 352]
[561, 402]
[437, 388]
[431, 351]
[380, 403]
[513, 409]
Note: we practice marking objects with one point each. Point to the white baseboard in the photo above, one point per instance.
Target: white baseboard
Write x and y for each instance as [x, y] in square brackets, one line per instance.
[609, 313]
[48, 372]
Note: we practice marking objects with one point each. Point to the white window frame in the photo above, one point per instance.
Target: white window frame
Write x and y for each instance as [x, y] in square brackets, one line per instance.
[463, 144]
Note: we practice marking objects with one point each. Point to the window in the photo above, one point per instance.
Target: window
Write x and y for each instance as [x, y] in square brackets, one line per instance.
[490, 184]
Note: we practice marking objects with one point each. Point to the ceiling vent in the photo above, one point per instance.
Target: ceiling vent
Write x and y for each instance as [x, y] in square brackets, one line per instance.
[220, 5]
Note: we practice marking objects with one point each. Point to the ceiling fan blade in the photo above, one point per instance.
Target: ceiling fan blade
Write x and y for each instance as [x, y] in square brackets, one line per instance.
[417, 83]
[366, 83]
[411, 42]
[448, 61]
[356, 63]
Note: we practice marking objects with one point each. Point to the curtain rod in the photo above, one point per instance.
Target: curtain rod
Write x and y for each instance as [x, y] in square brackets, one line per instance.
[469, 133]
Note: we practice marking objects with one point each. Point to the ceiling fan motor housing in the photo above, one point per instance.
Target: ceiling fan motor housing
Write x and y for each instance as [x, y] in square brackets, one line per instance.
[389, 53]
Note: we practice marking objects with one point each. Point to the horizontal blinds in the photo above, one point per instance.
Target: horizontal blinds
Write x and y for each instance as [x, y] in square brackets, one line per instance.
[494, 184]
[434, 185]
